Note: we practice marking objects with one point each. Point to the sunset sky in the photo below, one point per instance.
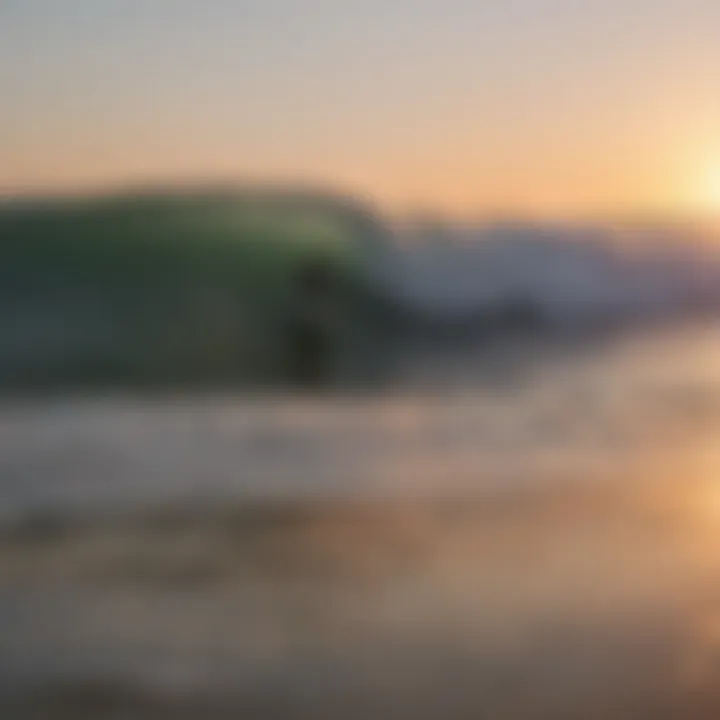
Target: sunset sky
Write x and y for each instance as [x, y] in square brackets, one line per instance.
[530, 106]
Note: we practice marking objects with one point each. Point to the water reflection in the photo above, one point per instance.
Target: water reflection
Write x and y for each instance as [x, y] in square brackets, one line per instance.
[551, 552]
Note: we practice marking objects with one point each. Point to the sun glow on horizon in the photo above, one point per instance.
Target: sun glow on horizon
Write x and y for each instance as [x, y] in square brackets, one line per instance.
[710, 190]
[702, 196]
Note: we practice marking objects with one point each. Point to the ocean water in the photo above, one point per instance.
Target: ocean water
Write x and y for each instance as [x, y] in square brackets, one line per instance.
[565, 274]
[525, 529]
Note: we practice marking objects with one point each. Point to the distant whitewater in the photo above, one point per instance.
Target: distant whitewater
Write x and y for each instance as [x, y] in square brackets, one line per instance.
[564, 275]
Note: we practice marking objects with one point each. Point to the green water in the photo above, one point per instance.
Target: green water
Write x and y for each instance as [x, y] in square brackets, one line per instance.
[163, 289]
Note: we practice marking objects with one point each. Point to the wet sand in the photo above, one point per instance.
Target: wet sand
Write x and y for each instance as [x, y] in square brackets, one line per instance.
[587, 602]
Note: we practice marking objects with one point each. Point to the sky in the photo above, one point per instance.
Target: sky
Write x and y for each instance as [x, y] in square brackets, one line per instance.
[525, 106]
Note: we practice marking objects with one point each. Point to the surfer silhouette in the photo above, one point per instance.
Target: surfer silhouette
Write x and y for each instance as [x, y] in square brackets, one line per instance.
[313, 325]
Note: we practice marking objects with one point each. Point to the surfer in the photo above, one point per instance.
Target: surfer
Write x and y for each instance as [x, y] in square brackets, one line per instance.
[314, 325]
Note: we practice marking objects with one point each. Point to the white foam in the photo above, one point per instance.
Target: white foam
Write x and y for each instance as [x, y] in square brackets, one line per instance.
[566, 273]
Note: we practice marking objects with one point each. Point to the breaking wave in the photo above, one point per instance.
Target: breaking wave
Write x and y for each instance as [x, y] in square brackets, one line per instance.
[560, 274]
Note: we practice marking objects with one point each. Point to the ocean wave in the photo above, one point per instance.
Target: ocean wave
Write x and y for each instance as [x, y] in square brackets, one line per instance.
[557, 274]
